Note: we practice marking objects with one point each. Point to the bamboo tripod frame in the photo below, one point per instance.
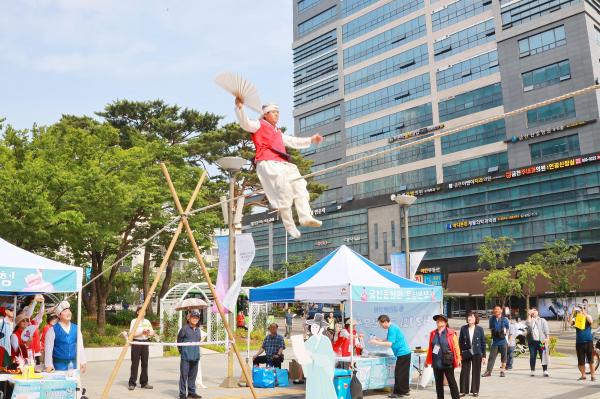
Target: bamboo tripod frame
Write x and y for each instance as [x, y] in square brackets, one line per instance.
[183, 222]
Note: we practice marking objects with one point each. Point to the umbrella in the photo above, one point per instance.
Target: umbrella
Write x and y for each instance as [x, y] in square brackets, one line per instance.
[191, 303]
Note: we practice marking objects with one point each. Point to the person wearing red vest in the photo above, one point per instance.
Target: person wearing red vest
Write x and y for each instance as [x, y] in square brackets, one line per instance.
[281, 180]
[343, 343]
[444, 356]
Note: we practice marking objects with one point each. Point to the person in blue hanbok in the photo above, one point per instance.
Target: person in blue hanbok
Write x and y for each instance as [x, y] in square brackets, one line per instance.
[318, 361]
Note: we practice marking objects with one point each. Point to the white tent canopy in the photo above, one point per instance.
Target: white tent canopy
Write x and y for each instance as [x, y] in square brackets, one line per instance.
[23, 272]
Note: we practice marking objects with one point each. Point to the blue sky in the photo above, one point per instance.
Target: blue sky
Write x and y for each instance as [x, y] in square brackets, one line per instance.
[74, 56]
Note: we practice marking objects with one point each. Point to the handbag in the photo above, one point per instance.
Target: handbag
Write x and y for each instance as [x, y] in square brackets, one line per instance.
[282, 378]
[467, 354]
[447, 359]
[263, 378]
[356, 389]
[426, 377]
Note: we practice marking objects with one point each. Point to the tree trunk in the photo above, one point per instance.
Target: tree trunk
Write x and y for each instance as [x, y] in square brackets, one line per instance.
[527, 303]
[146, 275]
[101, 318]
[165, 285]
[89, 301]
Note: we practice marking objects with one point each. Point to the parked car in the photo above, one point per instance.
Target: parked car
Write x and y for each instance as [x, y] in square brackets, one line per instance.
[325, 309]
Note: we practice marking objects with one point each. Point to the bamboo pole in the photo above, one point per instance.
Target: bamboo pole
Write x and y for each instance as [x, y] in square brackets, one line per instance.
[148, 296]
[207, 277]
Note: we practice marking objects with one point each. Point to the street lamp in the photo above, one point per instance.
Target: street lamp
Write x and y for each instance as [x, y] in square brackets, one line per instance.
[233, 166]
[405, 201]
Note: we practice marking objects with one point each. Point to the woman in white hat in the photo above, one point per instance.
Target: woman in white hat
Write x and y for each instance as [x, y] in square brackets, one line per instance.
[280, 178]
[62, 342]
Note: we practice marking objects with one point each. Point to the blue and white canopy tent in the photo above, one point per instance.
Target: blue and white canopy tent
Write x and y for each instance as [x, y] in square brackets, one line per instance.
[25, 273]
[345, 276]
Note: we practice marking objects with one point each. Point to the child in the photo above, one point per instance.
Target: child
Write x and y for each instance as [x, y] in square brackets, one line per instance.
[280, 179]
[190, 356]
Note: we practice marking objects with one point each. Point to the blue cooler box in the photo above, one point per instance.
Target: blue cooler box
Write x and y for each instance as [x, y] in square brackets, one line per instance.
[341, 382]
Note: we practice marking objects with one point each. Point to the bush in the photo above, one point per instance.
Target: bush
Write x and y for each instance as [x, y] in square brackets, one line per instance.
[91, 337]
[553, 343]
[120, 317]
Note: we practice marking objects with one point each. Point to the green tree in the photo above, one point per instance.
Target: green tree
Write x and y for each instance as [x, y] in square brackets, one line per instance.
[500, 284]
[561, 262]
[527, 273]
[494, 252]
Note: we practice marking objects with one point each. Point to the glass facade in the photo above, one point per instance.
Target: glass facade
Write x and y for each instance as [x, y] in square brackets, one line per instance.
[465, 39]
[326, 43]
[458, 11]
[320, 118]
[390, 125]
[316, 92]
[351, 6]
[474, 137]
[386, 41]
[475, 167]
[543, 41]
[551, 150]
[395, 158]
[304, 5]
[379, 17]
[391, 67]
[547, 75]
[556, 111]
[518, 12]
[387, 97]
[466, 71]
[395, 183]
[317, 21]
[470, 102]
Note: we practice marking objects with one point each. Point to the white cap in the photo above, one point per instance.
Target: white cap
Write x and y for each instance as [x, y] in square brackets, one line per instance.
[58, 309]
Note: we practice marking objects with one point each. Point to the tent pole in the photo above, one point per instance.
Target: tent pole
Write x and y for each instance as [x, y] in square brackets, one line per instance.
[351, 328]
[148, 297]
[78, 361]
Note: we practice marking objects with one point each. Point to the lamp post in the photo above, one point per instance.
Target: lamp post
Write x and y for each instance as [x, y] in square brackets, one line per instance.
[232, 165]
[405, 201]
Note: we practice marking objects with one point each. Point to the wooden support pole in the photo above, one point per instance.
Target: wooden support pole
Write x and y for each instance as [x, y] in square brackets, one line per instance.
[148, 295]
[207, 277]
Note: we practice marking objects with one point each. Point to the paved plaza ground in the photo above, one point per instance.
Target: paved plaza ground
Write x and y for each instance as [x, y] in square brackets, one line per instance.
[164, 375]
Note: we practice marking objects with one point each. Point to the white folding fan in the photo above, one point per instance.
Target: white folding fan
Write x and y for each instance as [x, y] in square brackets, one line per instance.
[240, 87]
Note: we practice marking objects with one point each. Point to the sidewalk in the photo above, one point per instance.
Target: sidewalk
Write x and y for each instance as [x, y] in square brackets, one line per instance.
[164, 375]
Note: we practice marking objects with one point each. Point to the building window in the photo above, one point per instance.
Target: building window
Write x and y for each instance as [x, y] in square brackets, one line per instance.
[518, 12]
[464, 39]
[326, 165]
[471, 102]
[326, 43]
[395, 158]
[546, 76]
[379, 17]
[386, 69]
[387, 97]
[320, 118]
[316, 92]
[315, 69]
[390, 125]
[351, 6]
[317, 21]
[328, 196]
[550, 150]
[385, 247]
[543, 41]
[395, 183]
[376, 235]
[330, 141]
[559, 110]
[466, 71]
[458, 11]
[474, 137]
[304, 5]
[597, 34]
[395, 37]
[475, 167]
[393, 232]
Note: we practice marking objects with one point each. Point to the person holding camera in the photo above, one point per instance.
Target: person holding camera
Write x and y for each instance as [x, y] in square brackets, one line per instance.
[538, 334]
[443, 355]
[472, 346]
[584, 341]
[499, 327]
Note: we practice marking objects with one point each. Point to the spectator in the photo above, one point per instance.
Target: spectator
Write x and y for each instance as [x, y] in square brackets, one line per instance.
[538, 340]
[240, 321]
[51, 320]
[140, 353]
[35, 342]
[584, 345]
[63, 341]
[273, 346]
[499, 327]
[343, 343]
[289, 316]
[472, 348]
[190, 356]
[6, 329]
[331, 322]
[513, 331]
[443, 355]
[395, 340]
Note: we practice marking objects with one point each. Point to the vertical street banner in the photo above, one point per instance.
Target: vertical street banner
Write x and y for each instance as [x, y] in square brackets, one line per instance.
[398, 263]
[244, 255]
[223, 271]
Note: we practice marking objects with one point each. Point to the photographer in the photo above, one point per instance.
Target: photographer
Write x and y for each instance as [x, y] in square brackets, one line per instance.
[538, 335]
[584, 342]
[499, 326]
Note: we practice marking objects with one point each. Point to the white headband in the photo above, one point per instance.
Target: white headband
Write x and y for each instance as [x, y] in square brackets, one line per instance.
[269, 108]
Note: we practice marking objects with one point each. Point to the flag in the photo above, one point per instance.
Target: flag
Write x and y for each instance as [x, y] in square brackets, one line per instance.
[398, 263]
[223, 271]
[244, 255]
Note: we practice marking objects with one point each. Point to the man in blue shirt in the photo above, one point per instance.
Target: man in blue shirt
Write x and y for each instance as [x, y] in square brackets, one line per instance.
[499, 327]
[273, 347]
[395, 340]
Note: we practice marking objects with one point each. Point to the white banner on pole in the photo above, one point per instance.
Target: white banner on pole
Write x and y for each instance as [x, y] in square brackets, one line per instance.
[244, 255]
[398, 263]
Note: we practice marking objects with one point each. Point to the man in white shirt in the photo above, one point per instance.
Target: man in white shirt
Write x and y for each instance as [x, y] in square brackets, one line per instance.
[63, 341]
[140, 352]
